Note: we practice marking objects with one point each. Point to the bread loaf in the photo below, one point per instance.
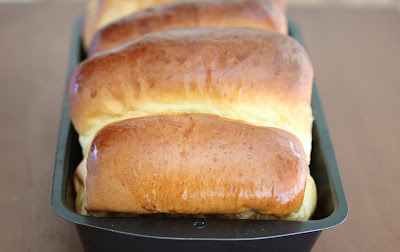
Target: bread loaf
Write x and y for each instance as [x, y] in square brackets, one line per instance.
[191, 14]
[180, 95]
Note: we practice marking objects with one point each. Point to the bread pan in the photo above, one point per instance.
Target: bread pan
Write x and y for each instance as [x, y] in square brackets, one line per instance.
[150, 233]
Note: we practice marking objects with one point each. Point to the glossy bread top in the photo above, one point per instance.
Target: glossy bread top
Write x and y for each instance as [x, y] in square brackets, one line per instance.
[195, 164]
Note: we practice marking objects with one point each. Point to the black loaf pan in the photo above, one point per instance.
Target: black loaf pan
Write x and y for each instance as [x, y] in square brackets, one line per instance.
[153, 234]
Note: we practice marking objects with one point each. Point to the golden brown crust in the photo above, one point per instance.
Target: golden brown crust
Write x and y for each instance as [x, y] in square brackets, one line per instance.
[99, 13]
[305, 213]
[257, 76]
[194, 164]
[191, 14]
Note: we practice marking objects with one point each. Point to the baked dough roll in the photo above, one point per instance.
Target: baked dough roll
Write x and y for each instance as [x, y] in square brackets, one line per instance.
[191, 14]
[260, 77]
[100, 13]
[195, 164]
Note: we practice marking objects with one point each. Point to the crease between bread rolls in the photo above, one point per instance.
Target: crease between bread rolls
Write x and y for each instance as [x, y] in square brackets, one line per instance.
[251, 76]
[260, 14]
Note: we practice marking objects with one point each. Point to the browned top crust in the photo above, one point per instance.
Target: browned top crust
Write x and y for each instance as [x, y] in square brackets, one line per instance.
[100, 13]
[197, 164]
[191, 14]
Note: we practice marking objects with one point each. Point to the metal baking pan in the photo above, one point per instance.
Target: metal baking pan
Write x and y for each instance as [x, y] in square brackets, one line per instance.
[150, 233]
